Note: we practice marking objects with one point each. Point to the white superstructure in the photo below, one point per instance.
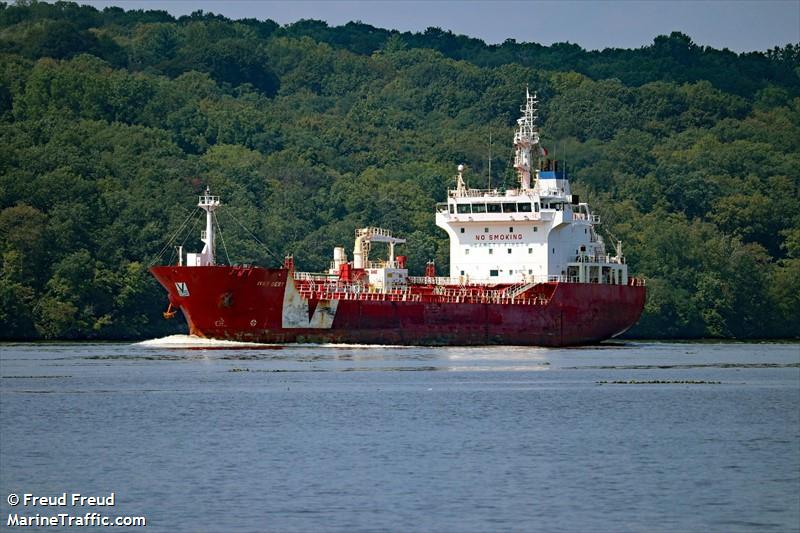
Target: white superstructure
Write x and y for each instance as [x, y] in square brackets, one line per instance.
[533, 233]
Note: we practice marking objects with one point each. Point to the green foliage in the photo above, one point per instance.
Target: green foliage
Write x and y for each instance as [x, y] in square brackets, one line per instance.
[111, 121]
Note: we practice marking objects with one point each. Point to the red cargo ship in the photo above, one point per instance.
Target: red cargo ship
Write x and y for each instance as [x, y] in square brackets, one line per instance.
[526, 267]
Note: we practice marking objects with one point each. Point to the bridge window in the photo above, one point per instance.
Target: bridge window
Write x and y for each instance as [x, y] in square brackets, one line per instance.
[524, 208]
[478, 208]
[463, 208]
[493, 208]
[493, 273]
[509, 208]
[536, 206]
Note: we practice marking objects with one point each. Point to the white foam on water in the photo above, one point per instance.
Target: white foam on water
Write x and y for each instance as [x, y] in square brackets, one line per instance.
[192, 341]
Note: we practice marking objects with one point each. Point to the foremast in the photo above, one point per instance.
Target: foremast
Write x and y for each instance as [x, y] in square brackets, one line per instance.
[209, 204]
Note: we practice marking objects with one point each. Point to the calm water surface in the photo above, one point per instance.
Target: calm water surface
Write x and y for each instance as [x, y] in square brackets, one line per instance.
[204, 437]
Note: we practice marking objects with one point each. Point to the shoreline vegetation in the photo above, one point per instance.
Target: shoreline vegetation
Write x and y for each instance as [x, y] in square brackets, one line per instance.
[111, 121]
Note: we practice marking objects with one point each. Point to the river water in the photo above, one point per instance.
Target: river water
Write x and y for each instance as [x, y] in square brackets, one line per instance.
[202, 436]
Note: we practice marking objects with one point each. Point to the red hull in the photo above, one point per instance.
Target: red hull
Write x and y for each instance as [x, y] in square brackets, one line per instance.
[257, 304]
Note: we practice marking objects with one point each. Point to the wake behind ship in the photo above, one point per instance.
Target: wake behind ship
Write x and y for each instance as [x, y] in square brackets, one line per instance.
[526, 267]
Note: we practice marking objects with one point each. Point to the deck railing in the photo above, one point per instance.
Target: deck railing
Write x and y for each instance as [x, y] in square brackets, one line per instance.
[323, 287]
[344, 291]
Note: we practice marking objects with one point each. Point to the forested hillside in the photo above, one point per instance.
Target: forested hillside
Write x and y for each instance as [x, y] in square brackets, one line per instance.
[111, 122]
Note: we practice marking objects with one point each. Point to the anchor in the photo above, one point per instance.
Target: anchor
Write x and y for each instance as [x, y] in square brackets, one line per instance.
[170, 312]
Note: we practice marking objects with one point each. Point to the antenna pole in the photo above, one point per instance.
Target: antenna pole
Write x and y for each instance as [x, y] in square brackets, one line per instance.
[490, 159]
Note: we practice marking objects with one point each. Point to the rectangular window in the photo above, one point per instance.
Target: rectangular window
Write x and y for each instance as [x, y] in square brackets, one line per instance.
[524, 208]
[492, 208]
[530, 250]
[462, 272]
[486, 230]
[463, 208]
[478, 208]
[511, 229]
[535, 229]
[493, 273]
[491, 251]
[462, 230]
[509, 208]
[451, 208]
[466, 252]
[509, 250]
[536, 206]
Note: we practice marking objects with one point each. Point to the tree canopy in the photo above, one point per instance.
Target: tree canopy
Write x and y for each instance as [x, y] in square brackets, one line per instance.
[112, 121]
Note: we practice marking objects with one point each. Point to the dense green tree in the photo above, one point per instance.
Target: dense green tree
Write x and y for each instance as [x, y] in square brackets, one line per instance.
[112, 121]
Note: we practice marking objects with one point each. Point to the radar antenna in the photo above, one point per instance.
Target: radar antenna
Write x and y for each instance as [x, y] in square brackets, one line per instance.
[461, 187]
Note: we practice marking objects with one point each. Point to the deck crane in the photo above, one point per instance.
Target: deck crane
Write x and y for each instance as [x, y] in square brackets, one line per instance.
[366, 236]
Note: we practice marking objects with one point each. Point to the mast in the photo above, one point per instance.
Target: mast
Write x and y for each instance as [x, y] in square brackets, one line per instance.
[209, 204]
[525, 138]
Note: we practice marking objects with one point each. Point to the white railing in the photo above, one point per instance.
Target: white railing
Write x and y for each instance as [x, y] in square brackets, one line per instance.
[381, 264]
[313, 286]
[208, 200]
[498, 216]
[314, 276]
[594, 219]
[432, 280]
[466, 281]
[474, 193]
[444, 289]
[373, 232]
